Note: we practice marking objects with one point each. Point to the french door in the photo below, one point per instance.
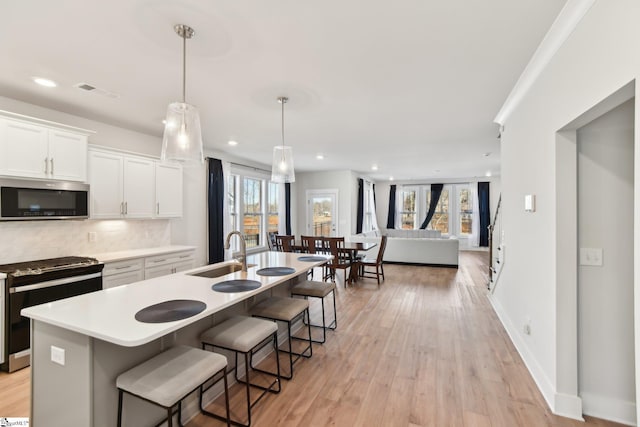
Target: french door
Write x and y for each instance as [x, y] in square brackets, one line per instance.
[322, 210]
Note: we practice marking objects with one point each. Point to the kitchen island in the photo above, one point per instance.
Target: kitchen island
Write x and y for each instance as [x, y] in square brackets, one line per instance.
[95, 337]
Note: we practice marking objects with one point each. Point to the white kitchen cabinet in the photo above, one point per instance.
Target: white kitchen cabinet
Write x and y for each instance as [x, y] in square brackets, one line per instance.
[122, 272]
[162, 265]
[168, 190]
[32, 148]
[121, 186]
[138, 187]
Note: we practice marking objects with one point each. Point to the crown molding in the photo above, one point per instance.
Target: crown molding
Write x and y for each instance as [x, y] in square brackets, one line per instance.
[564, 24]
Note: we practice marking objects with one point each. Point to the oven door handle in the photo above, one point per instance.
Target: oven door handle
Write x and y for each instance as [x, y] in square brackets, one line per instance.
[51, 283]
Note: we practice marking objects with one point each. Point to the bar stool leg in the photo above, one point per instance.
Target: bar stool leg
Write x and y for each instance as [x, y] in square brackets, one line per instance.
[119, 408]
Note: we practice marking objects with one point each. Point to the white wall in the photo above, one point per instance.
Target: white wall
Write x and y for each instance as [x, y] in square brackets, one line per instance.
[600, 56]
[346, 182]
[605, 293]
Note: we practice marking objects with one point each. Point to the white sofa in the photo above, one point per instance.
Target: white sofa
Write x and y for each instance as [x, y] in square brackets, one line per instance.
[409, 247]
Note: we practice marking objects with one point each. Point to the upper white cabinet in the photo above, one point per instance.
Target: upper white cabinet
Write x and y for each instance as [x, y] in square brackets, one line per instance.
[168, 190]
[128, 186]
[121, 186]
[33, 148]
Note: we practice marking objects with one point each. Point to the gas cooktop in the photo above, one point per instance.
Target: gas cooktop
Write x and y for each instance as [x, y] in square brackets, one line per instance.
[46, 265]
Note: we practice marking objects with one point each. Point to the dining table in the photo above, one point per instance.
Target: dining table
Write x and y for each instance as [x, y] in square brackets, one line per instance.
[351, 249]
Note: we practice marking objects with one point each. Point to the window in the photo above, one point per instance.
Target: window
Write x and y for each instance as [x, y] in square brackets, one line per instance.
[254, 207]
[232, 190]
[273, 211]
[408, 213]
[252, 214]
[440, 219]
[466, 211]
[369, 221]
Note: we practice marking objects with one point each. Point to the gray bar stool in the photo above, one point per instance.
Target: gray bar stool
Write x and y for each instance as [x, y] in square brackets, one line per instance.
[166, 379]
[246, 335]
[283, 309]
[320, 290]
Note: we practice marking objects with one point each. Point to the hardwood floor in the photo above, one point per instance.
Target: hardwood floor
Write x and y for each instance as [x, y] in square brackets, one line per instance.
[426, 349]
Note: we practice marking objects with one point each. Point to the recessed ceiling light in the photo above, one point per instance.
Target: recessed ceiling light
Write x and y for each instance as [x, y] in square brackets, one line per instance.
[320, 157]
[44, 82]
[487, 154]
[488, 173]
[390, 178]
[232, 143]
[374, 167]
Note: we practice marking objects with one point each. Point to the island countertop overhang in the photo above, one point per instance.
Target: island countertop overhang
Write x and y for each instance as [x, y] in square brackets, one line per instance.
[109, 314]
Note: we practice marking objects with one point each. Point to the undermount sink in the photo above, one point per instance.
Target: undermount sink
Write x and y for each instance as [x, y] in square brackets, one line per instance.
[220, 270]
[276, 271]
[236, 285]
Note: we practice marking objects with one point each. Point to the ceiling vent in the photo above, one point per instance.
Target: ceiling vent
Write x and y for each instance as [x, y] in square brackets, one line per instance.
[91, 88]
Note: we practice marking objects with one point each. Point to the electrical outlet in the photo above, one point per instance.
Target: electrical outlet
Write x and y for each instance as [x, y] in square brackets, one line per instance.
[57, 355]
[93, 236]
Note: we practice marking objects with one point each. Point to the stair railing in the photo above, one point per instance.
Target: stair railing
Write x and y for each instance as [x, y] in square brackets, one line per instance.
[494, 263]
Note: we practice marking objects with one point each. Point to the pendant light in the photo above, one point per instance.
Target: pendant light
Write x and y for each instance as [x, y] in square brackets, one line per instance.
[182, 140]
[282, 166]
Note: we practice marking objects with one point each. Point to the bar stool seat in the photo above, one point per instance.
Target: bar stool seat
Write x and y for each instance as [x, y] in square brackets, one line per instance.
[246, 335]
[309, 288]
[171, 376]
[280, 308]
[287, 310]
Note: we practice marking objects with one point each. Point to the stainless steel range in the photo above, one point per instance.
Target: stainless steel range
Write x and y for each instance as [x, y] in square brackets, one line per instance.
[38, 282]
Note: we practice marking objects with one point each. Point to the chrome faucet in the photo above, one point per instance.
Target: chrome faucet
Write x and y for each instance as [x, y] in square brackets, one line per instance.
[243, 248]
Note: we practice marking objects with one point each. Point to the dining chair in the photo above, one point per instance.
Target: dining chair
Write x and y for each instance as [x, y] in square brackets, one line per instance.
[271, 240]
[308, 244]
[376, 263]
[340, 261]
[284, 243]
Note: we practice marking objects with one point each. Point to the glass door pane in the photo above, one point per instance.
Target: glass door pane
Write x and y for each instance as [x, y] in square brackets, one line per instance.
[322, 214]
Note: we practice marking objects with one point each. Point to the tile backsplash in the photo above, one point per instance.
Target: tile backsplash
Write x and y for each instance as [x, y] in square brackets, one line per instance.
[31, 240]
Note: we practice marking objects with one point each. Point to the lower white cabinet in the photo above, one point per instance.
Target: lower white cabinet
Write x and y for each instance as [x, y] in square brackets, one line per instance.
[161, 265]
[122, 272]
[118, 273]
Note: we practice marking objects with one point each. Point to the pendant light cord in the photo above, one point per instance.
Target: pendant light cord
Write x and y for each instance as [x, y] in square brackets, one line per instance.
[184, 67]
[282, 102]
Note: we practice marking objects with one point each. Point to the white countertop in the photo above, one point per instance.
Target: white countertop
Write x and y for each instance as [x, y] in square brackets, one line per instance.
[109, 314]
[138, 253]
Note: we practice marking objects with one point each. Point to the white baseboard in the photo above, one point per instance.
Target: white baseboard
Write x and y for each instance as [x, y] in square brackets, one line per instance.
[617, 410]
[560, 404]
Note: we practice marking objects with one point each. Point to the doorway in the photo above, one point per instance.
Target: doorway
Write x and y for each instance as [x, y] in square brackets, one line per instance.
[606, 354]
[322, 209]
[611, 394]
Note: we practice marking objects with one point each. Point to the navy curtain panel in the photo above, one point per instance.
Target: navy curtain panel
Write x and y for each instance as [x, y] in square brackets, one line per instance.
[360, 206]
[436, 191]
[215, 210]
[485, 212]
[391, 216]
[287, 208]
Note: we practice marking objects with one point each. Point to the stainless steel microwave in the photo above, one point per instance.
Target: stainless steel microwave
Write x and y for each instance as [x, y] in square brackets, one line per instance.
[22, 199]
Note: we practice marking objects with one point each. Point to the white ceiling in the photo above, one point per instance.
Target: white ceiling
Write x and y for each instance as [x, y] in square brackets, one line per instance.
[410, 85]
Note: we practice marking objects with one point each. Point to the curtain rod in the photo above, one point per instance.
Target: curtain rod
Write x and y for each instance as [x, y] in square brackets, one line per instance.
[249, 167]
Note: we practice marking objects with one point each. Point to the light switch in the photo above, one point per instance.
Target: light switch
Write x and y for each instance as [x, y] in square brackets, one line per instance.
[591, 256]
[57, 355]
[530, 203]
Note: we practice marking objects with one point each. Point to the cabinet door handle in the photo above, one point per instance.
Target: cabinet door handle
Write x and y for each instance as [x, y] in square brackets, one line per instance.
[126, 208]
[121, 208]
[158, 208]
[51, 160]
[46, 166]
[160, 260]
[123, 267]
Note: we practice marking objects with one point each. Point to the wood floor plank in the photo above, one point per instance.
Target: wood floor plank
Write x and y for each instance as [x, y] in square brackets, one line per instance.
[425, 349]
